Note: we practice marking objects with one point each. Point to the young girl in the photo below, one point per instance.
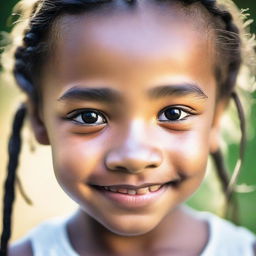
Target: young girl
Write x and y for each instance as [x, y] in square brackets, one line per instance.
[129, 95]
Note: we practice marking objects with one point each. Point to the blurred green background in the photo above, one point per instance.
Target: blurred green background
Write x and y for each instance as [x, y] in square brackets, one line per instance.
[201, 200]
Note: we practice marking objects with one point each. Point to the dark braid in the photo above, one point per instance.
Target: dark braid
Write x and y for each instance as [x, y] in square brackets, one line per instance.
[9, 196]
[32, 54]
[221, 169]
[231, 207]
[230, 36]
[239, 107]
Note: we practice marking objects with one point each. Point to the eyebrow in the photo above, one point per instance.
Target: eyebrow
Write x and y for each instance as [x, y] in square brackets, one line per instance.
[108, 95]
[184, 89]
[105, 95]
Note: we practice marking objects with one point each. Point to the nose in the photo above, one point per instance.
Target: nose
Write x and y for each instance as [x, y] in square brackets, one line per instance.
[135, 153]
[133, 160]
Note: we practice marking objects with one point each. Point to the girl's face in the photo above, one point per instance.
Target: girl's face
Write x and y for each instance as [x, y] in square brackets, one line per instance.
[128, 106]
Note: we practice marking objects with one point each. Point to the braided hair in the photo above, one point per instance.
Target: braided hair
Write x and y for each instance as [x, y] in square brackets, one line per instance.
[34, 50]
[9, 197]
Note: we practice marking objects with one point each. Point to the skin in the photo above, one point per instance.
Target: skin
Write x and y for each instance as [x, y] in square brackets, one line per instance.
[119, 53]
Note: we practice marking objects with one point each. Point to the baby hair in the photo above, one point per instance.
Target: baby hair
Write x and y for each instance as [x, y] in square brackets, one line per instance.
[38, 42]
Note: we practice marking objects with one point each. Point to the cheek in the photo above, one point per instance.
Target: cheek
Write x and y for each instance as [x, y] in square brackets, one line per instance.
[189, 154]
[76, 162]
[189, 159]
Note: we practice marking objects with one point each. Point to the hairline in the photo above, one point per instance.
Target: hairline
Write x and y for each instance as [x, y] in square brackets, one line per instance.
[196, 9]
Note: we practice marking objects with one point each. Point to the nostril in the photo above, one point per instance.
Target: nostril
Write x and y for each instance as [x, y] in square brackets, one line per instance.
[120, 168]
[126, 169]
[151, 166]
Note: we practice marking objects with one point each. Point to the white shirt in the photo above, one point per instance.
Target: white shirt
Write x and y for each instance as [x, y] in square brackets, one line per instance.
[225, 239]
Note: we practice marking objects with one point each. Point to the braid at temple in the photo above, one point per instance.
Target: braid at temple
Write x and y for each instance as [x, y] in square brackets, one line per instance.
[31, 56]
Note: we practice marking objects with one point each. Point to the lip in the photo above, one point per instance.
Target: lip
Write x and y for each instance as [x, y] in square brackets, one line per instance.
[127, 186]
[128, 201]
[173, 181]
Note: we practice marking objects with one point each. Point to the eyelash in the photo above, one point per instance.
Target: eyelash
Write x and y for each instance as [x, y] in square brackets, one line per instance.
[182, 113]
[77, 116]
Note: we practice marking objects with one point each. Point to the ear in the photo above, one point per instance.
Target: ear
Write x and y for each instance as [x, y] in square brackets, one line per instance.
[215, 129]
[37, 123]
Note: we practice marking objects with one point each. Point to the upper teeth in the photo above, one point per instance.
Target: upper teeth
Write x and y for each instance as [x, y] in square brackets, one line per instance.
[139, 191]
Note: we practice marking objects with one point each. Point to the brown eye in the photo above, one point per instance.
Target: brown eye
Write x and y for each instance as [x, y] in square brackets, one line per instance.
[172, 114]
[88, 117]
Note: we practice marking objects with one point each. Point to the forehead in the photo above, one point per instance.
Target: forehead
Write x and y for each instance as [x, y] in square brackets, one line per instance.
[145, 35]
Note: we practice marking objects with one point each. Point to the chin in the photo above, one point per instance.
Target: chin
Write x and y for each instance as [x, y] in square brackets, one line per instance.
[129, 225]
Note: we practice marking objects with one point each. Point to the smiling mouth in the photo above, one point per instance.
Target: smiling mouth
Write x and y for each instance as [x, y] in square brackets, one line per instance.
[131, 190]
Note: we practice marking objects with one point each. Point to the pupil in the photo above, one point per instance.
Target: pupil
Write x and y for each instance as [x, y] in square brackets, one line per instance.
[173, 113]
[90, 117]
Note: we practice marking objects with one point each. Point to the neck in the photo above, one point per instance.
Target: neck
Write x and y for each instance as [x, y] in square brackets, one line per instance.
[87, 235]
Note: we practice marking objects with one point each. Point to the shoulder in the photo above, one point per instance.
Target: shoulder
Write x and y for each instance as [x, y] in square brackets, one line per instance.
[217, 223]
[226, 237]
[227, 227]
[21, 248]
[229, 237]
[49, 235]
